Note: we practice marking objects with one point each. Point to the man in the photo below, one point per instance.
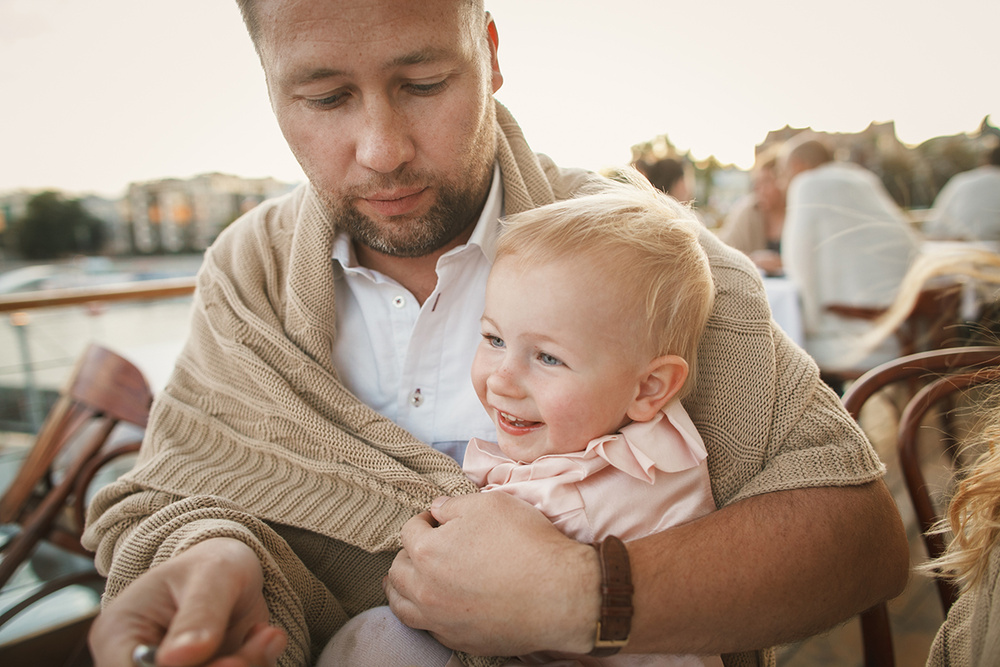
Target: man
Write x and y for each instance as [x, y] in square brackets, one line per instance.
[845, 242]
[267, 492]
[968, 206]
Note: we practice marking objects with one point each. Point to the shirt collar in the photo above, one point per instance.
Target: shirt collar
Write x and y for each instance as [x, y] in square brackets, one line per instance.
[484, 235]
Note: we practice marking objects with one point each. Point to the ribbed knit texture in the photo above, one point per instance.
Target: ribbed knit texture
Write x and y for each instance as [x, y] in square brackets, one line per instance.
[254, 437]
[970, 636]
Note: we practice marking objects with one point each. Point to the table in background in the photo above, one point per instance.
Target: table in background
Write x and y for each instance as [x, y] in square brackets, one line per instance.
[785, 307]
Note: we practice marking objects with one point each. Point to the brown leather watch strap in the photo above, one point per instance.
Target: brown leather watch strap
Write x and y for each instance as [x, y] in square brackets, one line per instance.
[616, 597]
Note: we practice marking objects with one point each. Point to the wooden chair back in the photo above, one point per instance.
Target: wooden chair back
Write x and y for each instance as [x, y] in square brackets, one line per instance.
[927, 399]
[946, 364]
[104, 390]
[929, 326]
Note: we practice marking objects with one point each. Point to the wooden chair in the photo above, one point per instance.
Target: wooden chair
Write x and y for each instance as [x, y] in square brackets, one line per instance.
[929, 397]
[946, 365]
[929, 326]
[44, 507]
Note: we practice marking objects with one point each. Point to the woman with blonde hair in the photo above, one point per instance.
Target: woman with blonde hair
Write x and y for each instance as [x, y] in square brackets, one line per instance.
[970, 635]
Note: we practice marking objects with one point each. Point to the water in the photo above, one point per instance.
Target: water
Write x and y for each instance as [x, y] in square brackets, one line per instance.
[41, 348]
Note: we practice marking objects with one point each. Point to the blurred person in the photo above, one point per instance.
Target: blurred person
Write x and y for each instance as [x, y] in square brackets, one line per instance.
[968, 206]
[970, 635]
[301, 465]
[755, 223]
[669, 175]
[845, 242]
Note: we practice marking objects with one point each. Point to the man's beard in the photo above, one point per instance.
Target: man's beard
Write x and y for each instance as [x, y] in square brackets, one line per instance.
[454, 211]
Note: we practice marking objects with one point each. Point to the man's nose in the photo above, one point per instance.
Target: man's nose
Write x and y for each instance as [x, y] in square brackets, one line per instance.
[384, 143]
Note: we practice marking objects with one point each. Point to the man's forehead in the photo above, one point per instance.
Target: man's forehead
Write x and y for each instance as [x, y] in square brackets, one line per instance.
[380, 33]
[347, 14]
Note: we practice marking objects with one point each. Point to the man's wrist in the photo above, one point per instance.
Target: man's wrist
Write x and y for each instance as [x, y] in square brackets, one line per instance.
[582, 606]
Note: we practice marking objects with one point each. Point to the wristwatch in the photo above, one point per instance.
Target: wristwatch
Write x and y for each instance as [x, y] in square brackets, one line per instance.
[615, 622]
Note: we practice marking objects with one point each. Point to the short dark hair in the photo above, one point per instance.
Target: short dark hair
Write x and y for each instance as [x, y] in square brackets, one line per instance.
[250, 19]
[994, 156]
[248, 10]
[811, 153]
[663, 174]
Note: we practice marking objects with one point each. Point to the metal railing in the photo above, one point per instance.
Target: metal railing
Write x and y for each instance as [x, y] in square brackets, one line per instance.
[135, 291]
[18, 306]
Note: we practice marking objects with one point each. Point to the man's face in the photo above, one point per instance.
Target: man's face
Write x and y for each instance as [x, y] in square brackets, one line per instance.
[387, 105]
[769, 192]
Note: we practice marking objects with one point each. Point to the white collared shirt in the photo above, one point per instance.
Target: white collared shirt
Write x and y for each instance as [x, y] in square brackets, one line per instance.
[412, 363]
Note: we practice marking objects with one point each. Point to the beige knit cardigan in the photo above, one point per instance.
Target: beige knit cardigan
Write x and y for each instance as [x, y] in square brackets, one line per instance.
[255, 438]
[970, 635]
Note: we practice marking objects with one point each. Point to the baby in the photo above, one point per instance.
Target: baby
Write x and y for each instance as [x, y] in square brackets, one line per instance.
[594, 310]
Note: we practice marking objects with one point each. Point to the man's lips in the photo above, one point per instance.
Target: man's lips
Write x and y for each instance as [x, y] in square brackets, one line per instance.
[396, 202]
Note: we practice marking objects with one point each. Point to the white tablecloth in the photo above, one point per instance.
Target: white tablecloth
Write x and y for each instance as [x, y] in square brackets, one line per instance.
[785, 307]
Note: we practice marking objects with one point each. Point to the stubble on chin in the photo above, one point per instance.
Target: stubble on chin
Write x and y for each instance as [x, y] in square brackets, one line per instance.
[457, 203]
[455, 209]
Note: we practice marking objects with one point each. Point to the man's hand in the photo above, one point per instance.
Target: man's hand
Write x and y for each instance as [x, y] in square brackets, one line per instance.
[488, 574]
[203, 607]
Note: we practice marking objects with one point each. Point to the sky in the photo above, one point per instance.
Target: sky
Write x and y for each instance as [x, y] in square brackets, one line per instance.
[97, 94]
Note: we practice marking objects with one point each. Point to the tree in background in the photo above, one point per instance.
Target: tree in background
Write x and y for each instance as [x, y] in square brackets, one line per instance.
[54, 226]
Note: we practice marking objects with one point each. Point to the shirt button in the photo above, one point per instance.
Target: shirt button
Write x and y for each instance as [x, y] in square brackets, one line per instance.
[399, 302]
[416, 399]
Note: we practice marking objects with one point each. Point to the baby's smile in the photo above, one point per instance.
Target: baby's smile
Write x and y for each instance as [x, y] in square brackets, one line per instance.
[517, 422]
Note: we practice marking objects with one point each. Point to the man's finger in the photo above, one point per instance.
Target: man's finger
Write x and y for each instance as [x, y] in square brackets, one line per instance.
[204, 609]
[415, 527]
[263, 646]
[404, 609]
[443, 509]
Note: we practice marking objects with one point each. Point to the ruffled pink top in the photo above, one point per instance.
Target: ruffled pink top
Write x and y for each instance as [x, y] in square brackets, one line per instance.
[648, 477]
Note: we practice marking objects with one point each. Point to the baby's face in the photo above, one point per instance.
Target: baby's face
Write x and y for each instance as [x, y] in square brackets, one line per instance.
[555, 368]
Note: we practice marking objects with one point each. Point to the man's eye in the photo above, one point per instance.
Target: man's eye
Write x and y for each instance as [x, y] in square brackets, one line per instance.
[427, 88]
[548, 359]
[330, 102]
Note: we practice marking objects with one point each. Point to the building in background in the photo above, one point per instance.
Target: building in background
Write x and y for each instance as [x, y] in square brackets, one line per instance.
[173, 215]
[167, 216]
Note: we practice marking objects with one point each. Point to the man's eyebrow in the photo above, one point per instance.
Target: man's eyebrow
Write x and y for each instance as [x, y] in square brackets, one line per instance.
[417, 58]
[317, 75]
[407, 59]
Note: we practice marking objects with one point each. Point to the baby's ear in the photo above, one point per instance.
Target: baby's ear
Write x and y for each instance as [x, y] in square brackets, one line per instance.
[658, 384]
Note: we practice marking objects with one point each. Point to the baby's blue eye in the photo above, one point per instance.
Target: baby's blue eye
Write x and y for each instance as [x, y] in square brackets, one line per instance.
[494, 341]
[548, 359]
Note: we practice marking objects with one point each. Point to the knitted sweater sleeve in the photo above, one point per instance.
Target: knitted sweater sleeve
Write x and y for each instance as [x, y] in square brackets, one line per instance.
[254, 438]
[145, 528]
[768, 421]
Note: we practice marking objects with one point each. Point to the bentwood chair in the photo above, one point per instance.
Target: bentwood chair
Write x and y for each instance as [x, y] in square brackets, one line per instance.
[951, 369]
[930, 397]
[42, 511]
[932, 324]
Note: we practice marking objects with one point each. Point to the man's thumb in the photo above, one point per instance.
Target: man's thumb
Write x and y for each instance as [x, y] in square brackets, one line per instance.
[443, 509]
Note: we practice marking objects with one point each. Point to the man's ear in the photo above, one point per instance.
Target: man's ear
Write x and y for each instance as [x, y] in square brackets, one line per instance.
[658, 384]
[491, 28]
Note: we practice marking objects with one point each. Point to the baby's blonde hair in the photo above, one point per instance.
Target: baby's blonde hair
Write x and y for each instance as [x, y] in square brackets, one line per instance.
[644, 242]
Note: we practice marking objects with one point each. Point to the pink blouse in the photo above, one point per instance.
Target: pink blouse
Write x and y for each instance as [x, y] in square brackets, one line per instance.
[648, 477]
